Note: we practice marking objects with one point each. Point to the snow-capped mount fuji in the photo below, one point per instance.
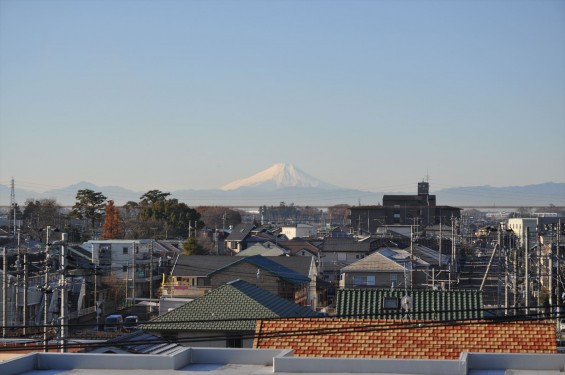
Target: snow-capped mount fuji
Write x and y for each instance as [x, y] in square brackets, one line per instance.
[278, 176]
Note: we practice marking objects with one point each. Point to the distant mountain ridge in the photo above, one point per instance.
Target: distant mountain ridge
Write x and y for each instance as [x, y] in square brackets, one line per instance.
[285, 183]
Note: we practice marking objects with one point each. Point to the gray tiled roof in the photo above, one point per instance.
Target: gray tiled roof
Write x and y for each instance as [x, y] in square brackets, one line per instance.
[200, 265]
[240, 232]
[426, 304]
[232, 307]
[203, 265]
[268, 264]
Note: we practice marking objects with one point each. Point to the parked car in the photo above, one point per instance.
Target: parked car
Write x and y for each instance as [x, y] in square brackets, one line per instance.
[130, 322]
[113, 323]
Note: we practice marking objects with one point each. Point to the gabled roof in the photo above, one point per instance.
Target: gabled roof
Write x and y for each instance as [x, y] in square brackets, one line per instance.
[426, 304]
[240, 232]
[267, 248]
[371, 338]
[375, 262]
[267, 264]
[204, 265]
[232, 307]
[296, 246]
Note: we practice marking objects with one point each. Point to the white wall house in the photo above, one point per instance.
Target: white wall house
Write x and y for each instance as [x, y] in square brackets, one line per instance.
[127, 260]
[299, 230]
[519, 226]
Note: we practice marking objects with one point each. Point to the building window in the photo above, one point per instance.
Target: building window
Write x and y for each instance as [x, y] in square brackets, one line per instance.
[124, 268]
[125, 250]
[364, 280]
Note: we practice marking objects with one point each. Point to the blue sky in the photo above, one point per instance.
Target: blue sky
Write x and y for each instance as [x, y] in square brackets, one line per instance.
[366, 94]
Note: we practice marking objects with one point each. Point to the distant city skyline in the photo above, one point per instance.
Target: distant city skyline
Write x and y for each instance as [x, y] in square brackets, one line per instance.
[369, 95]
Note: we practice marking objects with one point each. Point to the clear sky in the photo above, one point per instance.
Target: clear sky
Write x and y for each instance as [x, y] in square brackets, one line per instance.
[373, 95]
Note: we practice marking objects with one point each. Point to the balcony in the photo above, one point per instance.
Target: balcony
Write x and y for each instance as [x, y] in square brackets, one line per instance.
[185, 291]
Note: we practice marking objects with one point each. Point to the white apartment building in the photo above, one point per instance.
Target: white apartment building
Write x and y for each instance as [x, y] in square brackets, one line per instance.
[299, 230]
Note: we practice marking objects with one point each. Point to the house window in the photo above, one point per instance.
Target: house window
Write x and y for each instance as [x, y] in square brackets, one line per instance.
[124, 268]
[359, 280]
[359, 256]
[125, 250]
[341, 257]
[393, 278]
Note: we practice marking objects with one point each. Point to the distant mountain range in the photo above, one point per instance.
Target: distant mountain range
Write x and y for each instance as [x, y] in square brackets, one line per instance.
[286, 183]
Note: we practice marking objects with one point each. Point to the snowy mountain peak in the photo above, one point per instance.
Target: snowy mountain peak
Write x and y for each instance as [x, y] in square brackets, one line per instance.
[278, 176]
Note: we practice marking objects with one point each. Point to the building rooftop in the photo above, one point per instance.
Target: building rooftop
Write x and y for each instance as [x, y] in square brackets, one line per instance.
[216, 361]
[406, 339]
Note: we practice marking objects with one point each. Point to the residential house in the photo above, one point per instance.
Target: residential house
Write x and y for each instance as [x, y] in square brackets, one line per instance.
[133, 261]
[236, 240]
[224, 317]
[267, 248]
[376, 271]
[299, 231]
[340, 252]
[245, 235]
[301, 247]
[418, 269]
[192, 276]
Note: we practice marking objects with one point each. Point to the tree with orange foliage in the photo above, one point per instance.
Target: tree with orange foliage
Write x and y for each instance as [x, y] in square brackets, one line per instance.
[113, 227]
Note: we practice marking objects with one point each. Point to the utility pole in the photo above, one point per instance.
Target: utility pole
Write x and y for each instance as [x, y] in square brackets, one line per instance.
[411, 258]
[46, 291]
[133, 273]
[151, 278]
[527, 271]
[63, 290]
[25, 313]
[558, 281]
[4, 290]
[499, 284]
[540, 220]
[13, 206]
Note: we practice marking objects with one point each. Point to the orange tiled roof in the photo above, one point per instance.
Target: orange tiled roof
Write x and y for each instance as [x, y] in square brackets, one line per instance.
[358, 338]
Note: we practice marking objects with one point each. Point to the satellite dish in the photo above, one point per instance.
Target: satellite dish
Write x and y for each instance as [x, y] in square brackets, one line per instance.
[406, 303]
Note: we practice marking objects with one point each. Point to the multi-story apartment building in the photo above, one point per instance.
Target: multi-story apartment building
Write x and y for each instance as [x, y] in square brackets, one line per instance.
[129, 260]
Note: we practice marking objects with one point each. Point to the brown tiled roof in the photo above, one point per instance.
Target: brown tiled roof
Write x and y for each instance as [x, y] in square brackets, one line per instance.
[358, 338]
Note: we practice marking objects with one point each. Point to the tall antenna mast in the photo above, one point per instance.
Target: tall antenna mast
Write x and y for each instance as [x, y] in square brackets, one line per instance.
[13, 205]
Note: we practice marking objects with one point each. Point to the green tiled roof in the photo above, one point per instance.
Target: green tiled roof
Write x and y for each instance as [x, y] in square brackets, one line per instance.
[232, 307]
[426, 304]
